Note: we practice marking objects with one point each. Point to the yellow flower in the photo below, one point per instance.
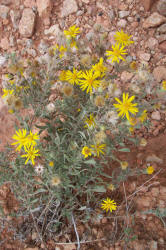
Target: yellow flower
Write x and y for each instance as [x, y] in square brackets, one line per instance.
[99, 101]
[143, 142]
[86, 152]
[126, 106]
[73, 77]
[90, 81]
[117, 53]
[62, 51]
[124, 165]
[51, 163]
[20, 137]
[98, 148]
[62, 76]
[133, 121]
[90, 122]
[150, 170]
[131, 129]
[143, 116]
[99, 68]
[11, 111]
[164, 85]
[55, 181]
[7, 92]
[108, 205]
[67, 90]
[72, 32]
[31, 154]
[73, 44]
[133, 65]
[111, 187]
[123, 38]
[31, 139]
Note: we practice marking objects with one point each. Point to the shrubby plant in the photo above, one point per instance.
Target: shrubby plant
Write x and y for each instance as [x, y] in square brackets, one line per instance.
[77, 116]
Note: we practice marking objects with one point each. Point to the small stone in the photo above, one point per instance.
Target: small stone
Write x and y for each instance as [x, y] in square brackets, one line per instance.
[161, 7]
[15, 16]
[4, 11]
[162, 28]
[155, 191]
[6, 2]
[154, 20]
[44, 8]
[162, 190]
[111, 14]
[27, 23]
[162, 46]
[159, 73]
[32, 52]
[154, 159]
[53, 30]
[152, 43]
[122, 23]
[4, 44]
[85, 1]
[124, 13]
[130, 19]
[29, 3]
[143, 202]
[147, 4]
[126, 76]
[144, 56]
[156, 115]
[153, 245]
[69, 7]
[3, 60]
[79, 13]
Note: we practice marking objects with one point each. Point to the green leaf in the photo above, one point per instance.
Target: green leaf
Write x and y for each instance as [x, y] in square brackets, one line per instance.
[124, 150]
[90, 161]
[99, 189]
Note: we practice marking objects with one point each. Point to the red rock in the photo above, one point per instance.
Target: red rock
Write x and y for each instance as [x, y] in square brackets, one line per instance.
[4, 44]
[154, 20]
[147, 4]
[44, 8]
[162, 46]
[30, 3]
[159, 73]
[27, 23]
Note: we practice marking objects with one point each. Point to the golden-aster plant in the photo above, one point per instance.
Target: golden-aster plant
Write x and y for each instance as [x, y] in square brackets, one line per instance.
[123, 38]
[117, 53]
[90, 80]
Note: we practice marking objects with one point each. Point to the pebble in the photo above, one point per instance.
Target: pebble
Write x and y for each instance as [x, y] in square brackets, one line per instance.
[124, 13]
[154, 159]
[27, 23]
[162, 28]
[15, 16]
[147, 4]
[126, 76]
[111, 14]
[122, 23]
[159, 73]
[154, 20]
[162, 46]
[152, 43]
[69, 7]
[44, 8]
[3, 60]
[161, 7]
[4, 11]
[156, 115]
[144, 56]
[4, 44]
[54, 30]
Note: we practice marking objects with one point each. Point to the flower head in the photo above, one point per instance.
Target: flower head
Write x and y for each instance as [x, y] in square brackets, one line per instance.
[18, 104]
[90, 121]
[39, 169]
[150, 170]
[67, 90]
[126, 106]
[117, 53]
[143, 116]
[99, 68]
[62, 51]
[111, 187]
[55, 181]
[108, 205]
[133, 65]
[51, 163]
[20, 138]
[31, 154]
[86, 152]
[100, 137]
[99, 101]
[164, 85]
[73, 77]
[7, 92]
[89, 81]
[124, 165]
[123, 38]
[31, 139]
[62, 76]
[98, 148]
[143, 142]
[72, 32]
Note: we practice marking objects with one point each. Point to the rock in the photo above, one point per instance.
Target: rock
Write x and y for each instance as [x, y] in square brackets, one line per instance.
[155, 191]
[143, 202]
[122, 23]
[147, 4]
[29, 3]
[162, 28]
[3, 60]
[69, 247]
[124, 13]
[44, 8]
[161, 38]
[53, 30]
[153, 245]
[154, 159]
[152, 43]
[126, 76]
[69, 7]
[156, 115]
[162, 46]
[15, 16]
[162, 190]
[144, 56]
[4, 11]
[161, 7]
[4, 44]
[154, 20]
[27, 23]
[111, 14]
[6, 2]
[159, 73]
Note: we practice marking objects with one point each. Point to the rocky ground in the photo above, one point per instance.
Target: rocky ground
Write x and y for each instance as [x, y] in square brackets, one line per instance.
[30, 27]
